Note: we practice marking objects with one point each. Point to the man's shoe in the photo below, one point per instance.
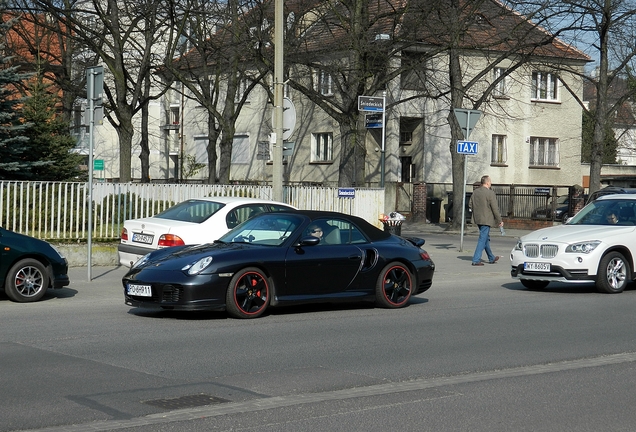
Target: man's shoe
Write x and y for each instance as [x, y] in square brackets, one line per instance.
[494, 261]
[478, 264]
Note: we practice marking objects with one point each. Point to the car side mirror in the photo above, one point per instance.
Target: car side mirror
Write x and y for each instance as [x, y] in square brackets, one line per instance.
[308, 241]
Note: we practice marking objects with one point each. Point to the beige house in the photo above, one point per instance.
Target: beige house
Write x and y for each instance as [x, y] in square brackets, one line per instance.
[529, 131]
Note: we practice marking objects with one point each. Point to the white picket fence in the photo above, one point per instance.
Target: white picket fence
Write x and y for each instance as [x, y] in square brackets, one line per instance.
[59, 210]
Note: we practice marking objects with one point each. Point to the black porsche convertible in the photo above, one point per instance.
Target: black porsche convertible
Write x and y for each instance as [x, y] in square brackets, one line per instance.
[283, 258]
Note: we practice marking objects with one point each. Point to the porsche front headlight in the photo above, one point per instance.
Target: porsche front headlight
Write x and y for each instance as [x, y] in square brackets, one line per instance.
[141, 261]
[198, 266]
[583, 247]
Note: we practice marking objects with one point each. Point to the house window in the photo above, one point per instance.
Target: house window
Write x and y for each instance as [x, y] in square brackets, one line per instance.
[544, 152]
[544, 86]
[406, 137]
[321, 147]
[498, 149]
[175, 116]
[413, 76]
[241, 150]
[500, 87]
[325, 85]
[243, 85]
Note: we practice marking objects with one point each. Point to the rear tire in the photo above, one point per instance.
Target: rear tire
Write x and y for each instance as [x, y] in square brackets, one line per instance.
[27, 281]
[613, 273]
[394, 286]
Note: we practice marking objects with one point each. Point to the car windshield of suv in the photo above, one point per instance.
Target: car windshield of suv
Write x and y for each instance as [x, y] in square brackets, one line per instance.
[606, 212]
[191, 211]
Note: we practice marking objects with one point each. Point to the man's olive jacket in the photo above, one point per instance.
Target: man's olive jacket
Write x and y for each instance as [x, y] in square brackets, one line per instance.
[483, 203]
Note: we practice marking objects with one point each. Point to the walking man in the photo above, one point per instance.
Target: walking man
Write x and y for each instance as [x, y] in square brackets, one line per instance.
[483, 203]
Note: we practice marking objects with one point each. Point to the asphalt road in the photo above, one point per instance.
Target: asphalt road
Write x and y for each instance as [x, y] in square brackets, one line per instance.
[476, 352]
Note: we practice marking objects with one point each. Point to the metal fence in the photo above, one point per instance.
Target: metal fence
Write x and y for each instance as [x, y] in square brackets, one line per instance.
[520, 201]
[59, 211]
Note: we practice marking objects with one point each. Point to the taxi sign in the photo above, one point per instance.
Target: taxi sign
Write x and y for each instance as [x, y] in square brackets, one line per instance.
[467, 147]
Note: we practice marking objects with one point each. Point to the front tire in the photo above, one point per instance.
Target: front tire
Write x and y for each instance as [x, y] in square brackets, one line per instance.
[248, 293]
[27, 281]
[394, 286]
[613, 273]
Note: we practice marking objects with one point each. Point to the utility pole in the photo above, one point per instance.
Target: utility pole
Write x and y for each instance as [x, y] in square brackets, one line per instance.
[277, 137]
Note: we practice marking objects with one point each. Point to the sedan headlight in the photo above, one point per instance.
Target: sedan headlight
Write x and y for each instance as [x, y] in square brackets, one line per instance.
[583, 247]
[198, 266]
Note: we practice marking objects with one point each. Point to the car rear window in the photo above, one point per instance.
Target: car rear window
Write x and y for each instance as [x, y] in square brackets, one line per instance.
[191, 211]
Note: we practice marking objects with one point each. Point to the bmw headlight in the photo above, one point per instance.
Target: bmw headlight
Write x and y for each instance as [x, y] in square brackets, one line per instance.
[583, 247]
[519, 245]
[198, 266]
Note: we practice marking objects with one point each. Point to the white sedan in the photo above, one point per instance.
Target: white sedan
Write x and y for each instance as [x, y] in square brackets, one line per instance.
[597, 245]
[194, 221]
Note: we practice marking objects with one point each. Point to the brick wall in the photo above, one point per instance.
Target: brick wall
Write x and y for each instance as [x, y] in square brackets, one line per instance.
[526, 224]
[419, 202]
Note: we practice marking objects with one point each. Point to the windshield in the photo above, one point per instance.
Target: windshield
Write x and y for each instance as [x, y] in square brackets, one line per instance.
[195, 211]
[267, 229]
[606, 212]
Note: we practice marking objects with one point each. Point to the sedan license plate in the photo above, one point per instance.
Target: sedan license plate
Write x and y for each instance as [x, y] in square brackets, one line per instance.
[142, 238]
[139, 290]
[538, 267]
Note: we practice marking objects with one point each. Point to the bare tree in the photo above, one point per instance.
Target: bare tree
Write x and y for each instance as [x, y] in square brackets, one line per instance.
[210, 54]
[605, 29]
[123, 35]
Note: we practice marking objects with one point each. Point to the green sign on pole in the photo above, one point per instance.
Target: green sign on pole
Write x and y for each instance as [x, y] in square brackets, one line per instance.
[98, 164]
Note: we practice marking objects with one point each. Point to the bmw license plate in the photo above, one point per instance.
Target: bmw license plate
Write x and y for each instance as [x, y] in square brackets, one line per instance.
[537, 267]
[142, 238]
[139, 290]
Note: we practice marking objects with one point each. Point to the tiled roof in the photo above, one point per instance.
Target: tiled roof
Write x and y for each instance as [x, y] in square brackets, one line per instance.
[322, 26]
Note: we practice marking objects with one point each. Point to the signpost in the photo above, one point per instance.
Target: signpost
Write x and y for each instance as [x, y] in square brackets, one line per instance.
[94, 90]
[377, 105]
[467, 119]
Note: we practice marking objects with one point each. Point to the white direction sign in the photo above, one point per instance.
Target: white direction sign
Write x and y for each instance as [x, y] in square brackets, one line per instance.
[467, 147]
[467, 119]
[371, 103]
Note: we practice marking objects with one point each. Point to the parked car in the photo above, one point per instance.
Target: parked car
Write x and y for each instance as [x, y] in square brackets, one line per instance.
[29, 266]
[194, 221]
[597, 245]
[275, 259]
[609, 190]
[561, 210]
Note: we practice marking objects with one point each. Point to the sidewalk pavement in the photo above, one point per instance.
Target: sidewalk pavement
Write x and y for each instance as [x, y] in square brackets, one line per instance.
[413, 228]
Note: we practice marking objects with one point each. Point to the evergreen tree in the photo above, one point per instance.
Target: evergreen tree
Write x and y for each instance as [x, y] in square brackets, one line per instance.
[14, 147]
[49, 136]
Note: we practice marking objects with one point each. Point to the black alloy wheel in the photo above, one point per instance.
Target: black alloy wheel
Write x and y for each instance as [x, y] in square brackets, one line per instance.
[248, 293]
[394, 286]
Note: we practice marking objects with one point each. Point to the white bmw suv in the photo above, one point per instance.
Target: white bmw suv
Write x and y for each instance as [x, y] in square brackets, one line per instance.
[597, 245]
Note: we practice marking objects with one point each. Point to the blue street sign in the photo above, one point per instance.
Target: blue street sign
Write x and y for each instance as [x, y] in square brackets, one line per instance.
[467, 147]
[346, 193]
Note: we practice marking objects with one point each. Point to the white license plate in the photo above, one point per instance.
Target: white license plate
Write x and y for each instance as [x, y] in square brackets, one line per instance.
[143, 238]
[139, 290]
[538, 267]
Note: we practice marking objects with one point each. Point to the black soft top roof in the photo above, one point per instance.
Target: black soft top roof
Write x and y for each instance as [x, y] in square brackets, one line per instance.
[371, 231]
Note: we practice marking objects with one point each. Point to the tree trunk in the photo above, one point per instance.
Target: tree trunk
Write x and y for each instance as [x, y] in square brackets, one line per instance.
[351, 169]
[213, 136]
